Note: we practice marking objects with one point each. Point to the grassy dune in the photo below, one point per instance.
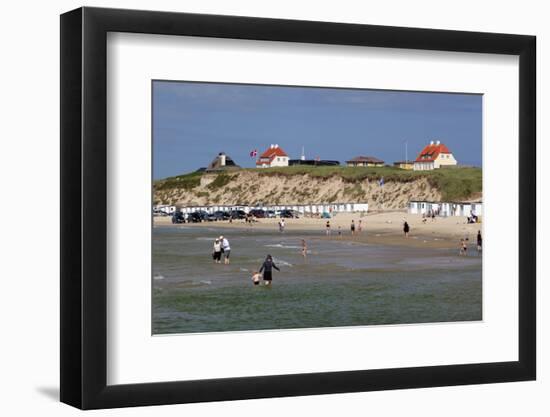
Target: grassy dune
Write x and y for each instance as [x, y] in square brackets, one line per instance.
[452, 183]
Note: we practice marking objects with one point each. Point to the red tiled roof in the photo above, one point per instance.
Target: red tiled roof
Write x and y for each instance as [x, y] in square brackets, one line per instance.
[368, 159]
[271, 154]
[431, 152]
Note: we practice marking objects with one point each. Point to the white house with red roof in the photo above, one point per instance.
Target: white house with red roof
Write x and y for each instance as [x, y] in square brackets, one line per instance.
[274, 156]
[433, 156]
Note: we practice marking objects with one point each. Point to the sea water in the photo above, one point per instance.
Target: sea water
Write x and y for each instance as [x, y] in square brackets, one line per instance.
[339, 283]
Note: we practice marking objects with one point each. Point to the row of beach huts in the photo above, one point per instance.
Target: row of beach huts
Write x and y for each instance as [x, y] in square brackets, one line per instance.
[445, 209]
[304, 209]
[465, 209]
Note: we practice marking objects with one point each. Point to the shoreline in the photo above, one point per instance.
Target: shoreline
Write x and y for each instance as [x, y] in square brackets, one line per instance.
[383, 228]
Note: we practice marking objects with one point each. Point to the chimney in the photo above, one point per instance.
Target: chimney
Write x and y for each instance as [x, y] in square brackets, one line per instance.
[438, 142]
[222, 159]
[431, 142]
[271, 146]
[276, 145]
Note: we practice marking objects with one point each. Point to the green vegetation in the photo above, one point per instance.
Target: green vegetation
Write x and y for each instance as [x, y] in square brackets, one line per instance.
[186, 182]
[220, 181]
[454, 183]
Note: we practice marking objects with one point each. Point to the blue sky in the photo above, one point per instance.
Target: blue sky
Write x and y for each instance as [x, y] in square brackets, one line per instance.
[192, 122]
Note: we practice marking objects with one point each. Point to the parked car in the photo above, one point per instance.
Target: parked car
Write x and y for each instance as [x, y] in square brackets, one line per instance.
[203, 214]
[178, 217]
[196, 217]
[270, 214]
[221, 215]
[289, 214]
[258, 213]
[210, 217]
[237, 214]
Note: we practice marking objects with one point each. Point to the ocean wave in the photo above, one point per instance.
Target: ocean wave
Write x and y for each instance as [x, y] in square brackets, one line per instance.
[280, 245]
[281, 262]
[207, 282]
[158, 277]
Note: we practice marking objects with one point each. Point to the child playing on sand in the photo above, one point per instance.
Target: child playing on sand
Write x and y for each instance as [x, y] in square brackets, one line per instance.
[256, 276]
[360, 226]
[328, 227]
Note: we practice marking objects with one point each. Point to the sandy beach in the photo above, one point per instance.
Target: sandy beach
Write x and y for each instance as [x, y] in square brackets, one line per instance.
[381, 227]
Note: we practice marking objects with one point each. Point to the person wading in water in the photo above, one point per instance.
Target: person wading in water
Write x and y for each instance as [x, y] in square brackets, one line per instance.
[267, 268]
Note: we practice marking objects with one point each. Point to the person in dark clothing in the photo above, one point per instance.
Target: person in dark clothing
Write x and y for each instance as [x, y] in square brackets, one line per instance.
[406, 229]
[479, 241]
[267, 267]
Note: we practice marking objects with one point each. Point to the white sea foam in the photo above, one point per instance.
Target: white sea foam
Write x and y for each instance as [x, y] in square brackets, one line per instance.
[207, 282]
[280, 245]
[158, 277]
[281, 262]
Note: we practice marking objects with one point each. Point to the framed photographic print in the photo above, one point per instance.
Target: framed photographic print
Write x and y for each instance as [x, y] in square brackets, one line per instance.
[258, 207]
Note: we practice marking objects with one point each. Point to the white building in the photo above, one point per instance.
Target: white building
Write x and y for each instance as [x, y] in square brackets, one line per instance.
[163, 208]
[433, 156]
[445, 209]
[274, 156]
[304, 209]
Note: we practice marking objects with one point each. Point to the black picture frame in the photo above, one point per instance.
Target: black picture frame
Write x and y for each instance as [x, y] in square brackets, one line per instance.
[84, 207]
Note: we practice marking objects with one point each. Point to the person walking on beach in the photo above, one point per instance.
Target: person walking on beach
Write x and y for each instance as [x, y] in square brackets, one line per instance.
[352, 227]
[360, 226]
[328, 227]
[304, 248]
[226, 249]
[282, 225]
[406, 229]
[479, 241]
[267, 268]
[217, 251]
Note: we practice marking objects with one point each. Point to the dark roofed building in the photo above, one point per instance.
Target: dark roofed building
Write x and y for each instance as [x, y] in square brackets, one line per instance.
[365, 161]
[313, 162]
[222, 162]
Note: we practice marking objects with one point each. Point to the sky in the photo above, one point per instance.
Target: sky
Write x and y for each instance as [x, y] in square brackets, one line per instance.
[193, 122]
